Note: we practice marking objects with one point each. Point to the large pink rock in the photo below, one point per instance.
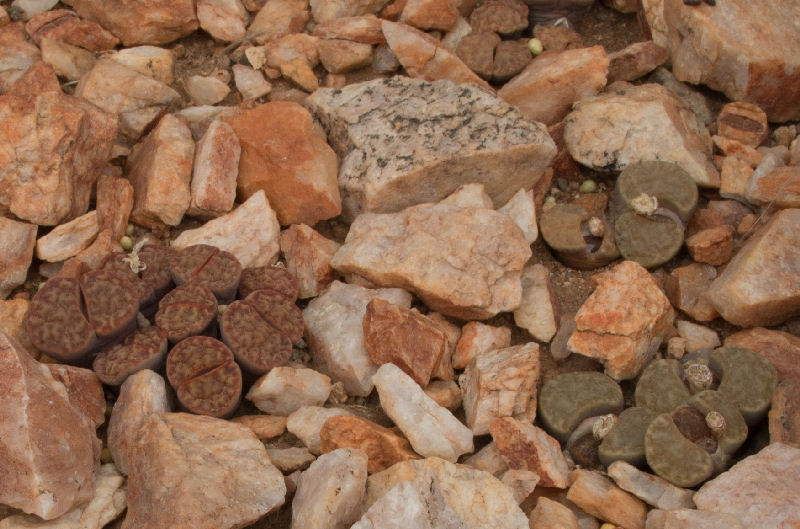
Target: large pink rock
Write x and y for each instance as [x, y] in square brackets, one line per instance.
[48, 446]
[553, 81]
[285, 154]
[728, 48]
[52, 149]
[624, 321]
[16, 54]
[141, 21]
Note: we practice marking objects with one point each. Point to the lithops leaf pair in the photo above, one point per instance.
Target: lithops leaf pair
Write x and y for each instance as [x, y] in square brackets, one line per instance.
[578, 239]
[206, 265]
[147, 269]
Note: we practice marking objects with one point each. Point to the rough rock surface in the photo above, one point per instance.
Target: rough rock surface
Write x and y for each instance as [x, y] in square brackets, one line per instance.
[222, 19]
[500, 383]
[52, 149]
[761, 284]
[325, 10]
[383, 446]
[335, 333]
[691, 519]
[215, 171]
[595, 494]
[285, 389]
[48, 447]
[782, 349]
[12, 322]
[553, 81]
[17, 241]
[477, 339]
[308, 255]
[250, 232]
[141, 21]
[647, 122]
[413, 151]
[201, 472]
[462, 262]
[649, 488]
[760, 489]
[624, 321]
[307, 422]
[114, 199]
[537, 311]
[432, 493]
[528, 447]
[431, 429]
[730, 50]
[66, 240]
[16, 54]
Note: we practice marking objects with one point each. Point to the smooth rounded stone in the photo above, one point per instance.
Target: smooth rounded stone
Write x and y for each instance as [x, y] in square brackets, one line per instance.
[668, 182]
[747, 379]
[291, 459]
[674, 457]
[625, 441]
[661, 387]
[186, 311]
[257, 345]
[205, 377]
[565, 228]
[143, 349]
[279, 311]
[734, 433]
[649, 240]
[264, 426]
[649, 488]
[307, 422]
[273, 277]
[66, 240]
[206, 265]
[285, 389]
[567, 399]
[510, 58]
[330, 492]
[111, 304]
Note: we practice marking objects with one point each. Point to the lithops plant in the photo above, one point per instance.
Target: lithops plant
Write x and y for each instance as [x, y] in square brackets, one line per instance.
[747, 379]
[256, 344]
[279, 311]
[147, 269]
[111, 304]
[661, 386]
[271, 277]
[578, 239]
[673, 456]
[186, 311]
[206, 265]
[206, 379]
[625, 441]
[144, 349]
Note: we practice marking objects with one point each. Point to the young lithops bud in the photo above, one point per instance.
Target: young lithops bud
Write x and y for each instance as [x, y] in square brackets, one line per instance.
[603, 425]
[699, 376]
[716, 423]
[536, 46]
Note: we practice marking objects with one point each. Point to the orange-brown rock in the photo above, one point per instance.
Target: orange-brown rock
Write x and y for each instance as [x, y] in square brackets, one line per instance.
[477, 339]
[65, 26]
[308, 255]
[713, 246]
[784, 413]
[406, 338]
[287, 156]
[686, 288]
[598, 496]
[744, 122]
[382, 445]
[635, 61]
[734, 175]
[278, 18]
[553, 81]
[16, 54]
[264, 426]
[445, 393]
[527, 447]
[215, 171]
[365, 29]
[37, 79]
[779, 189]
[342, 56]
[782, 349]
[429, 14]
[17, 241]
[114, 204]
[141, 21]
[12, 323]
[84, 391]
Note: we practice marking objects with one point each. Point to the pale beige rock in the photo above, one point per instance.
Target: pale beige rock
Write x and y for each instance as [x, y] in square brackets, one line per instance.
[740, 293]
[624, 321]
[500, 383]
[691, 519]
[70, 62]
[528, 447]
[553, 81]
[224, 20]
[537, 312]
[520, 482]
[17, 242]
[206, 90]
[598, 496]
[458, 31]
[152, 61]
[278, 18]
[342, 56]
[48, 447]
[425, 250]
[335, 333]
[286, 389]
[199, 118]
[160, 170]
[423, 56]
[399, 155]
[698, 337]
[263, 426]
[206, 472]
[326, 10]
[16, 54]
[549, 514]
[727, 50]
[489, 460]
[66, 240]
[478, 339]
[107, 503]
[329, 493]
[430, 14]
[306, 423]
[12, 323]
[250, 83]
[250, 232]
[114, 199]
[135, 98]
[635, 61]
[291, 459]
[365, 29]
[431, 429]
[55, 147]
[290, 47]
[214, 172]
[445, 393]
[469, 196]
[649, 488]
[760, 489]
[308, 255]
[432, 493]
[141, 21]
[612, 130]
[522, 210]
[654, 15]
[141, 395]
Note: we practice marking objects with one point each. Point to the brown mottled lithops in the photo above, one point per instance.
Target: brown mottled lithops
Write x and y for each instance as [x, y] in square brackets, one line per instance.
[625, 441]
[206, 379]
[257, 345]
[209, 266]
[279, 311]
[144, 349]
[186, 311]
[272, 277]
[500, 16]
[146, 268]
[111, 304]
[747, 379]
[661, 387]
[577, 238]
[567, 399]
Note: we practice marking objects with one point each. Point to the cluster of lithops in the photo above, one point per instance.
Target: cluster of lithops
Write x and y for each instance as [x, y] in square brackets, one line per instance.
[93, 320]
[690, 415]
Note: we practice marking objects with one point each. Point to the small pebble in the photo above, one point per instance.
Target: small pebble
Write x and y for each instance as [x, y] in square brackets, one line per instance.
[535, 45]
[129, 230]
[105, 456]
[588, 186]
[126, 242]
[562, 183]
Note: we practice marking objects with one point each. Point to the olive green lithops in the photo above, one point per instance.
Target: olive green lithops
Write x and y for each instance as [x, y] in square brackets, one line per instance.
[649, 240]
[625, 441]
[578, 239]
[669, 183]
[674, 457]
[567, 399]
[661, 387]
[747, 379]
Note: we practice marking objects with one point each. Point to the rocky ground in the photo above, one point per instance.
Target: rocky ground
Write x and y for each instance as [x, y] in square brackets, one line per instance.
[422, 263]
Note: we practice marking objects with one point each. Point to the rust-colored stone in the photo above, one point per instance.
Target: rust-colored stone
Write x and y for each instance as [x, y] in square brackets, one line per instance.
[114, 204]
[308, 255]
[686, 288]
[382, 445]
[65, 26]
[527, 447]
[713, 246]
[784, 415]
